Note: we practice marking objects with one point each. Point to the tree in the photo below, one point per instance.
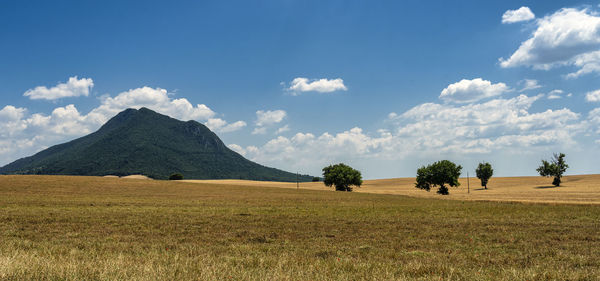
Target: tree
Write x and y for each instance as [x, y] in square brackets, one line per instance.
[316, 179]
[342, 176]
[484, 172]
[176, 177]
[439, 173]
[555, 168]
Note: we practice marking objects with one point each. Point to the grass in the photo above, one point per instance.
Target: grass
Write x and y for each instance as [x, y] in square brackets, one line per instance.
[89, 228]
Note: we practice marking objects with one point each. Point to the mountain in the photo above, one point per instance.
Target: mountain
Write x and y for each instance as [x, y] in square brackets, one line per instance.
[145, 142]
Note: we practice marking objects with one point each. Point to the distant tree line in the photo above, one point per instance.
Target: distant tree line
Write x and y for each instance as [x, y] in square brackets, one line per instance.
[441, 174]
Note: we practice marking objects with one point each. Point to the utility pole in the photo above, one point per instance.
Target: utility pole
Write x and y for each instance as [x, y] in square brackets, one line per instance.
[297, 183]
[468, 184]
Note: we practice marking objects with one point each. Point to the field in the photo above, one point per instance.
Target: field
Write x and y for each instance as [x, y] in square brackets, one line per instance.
[580, 189]
[92, 228]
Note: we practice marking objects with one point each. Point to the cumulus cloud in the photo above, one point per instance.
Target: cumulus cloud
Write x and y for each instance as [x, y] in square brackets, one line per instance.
[431, 130]
[567, 37]
[10, 113]
[593, 96]
[267, 118]
[23, 134]
[587, 63]
[156, 99]
[521, 14]
[495, 124]
[237, 148]
[221, 126]
[74, 87]
[529, 84]
[323, 85]
[305, 150]
[466, 91]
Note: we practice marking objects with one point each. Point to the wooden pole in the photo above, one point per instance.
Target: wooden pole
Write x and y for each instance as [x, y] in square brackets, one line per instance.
[468, 184]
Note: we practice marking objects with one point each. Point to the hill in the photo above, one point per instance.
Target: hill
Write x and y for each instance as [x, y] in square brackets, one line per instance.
[575, 189]
[145, 142]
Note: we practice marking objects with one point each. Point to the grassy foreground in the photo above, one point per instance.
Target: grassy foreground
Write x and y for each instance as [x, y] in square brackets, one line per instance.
[87, 228]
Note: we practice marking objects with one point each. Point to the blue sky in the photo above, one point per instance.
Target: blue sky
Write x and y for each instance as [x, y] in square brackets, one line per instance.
[385, 86]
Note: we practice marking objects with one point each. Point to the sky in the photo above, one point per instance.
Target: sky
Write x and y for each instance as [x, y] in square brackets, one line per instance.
[383, 86]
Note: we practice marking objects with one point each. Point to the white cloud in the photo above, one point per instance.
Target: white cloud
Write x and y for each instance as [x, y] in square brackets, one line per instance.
[282, 129]
[23, 134]
[567, 37]
[11, 113]
[72, 88]
[269, 117]
[587, 63]
[521, 14]
[487, 126]
[221, 126]
[593, 96]
[259, 131]
[466, 91]
[529, 84]
[233, 126]
[594, 119]
[156, 99]
[323, 85]
[432, 130]
[237, 149]
[305, 151]
[557, 94]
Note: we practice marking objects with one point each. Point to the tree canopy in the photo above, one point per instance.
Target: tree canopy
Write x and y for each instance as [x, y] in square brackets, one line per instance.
[484, 172]
[555, 168]
[342, 176]
[438, 174]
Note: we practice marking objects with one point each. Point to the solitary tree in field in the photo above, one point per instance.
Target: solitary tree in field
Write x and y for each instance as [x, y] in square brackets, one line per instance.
[342, 176]
[484, 172]
[439, 173]
[555, 168]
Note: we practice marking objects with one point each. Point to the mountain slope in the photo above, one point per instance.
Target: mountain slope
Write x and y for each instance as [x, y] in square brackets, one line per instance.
[145, 142]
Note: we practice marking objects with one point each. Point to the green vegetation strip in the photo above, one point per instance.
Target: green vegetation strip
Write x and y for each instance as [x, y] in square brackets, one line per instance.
[85, 228]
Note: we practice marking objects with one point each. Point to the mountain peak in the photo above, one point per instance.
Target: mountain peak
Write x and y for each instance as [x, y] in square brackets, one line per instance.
[142, 141]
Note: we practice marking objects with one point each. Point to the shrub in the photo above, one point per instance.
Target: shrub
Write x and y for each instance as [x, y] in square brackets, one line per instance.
[176, 176]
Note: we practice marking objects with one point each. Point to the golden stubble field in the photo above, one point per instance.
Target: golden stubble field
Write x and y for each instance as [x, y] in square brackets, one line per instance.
[93, 228]
[577, 189]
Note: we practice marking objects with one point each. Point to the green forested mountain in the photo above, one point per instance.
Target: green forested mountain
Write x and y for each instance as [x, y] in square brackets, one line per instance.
[145, 142]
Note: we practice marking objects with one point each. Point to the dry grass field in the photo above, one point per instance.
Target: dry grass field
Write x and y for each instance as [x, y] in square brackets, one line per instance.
[93, 228]
[580, 189]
